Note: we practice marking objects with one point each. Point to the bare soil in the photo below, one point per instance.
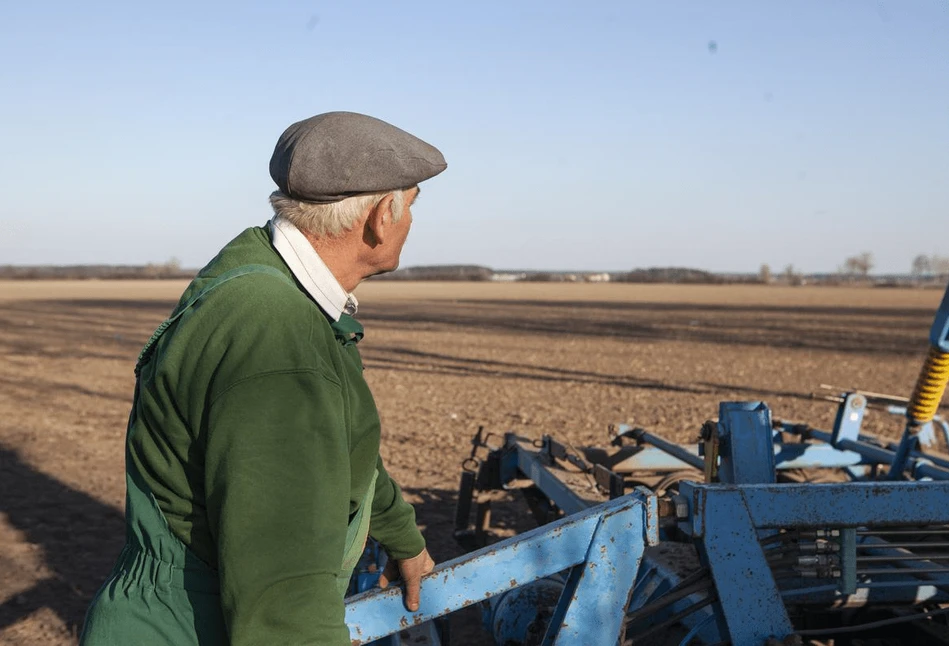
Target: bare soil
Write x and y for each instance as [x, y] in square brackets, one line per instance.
[442, 359]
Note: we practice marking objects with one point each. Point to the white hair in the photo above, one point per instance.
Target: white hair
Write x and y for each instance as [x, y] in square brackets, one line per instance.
[329, 220]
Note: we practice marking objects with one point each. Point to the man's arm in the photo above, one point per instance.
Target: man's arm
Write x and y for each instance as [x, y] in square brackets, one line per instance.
[393, 525]
[277, 482]
[393, 519]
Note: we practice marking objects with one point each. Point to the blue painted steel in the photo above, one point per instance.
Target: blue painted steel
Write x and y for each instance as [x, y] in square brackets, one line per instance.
[848, 560]
[521, 615]
[939, 333]
[876, 457]
[651, 458]
[566, 498]
[661, 571]
[901, 456]
[746, 443]
[509, 458]
[849, 418]
[749, 597]
[905, 592]
[596, 610]
[368, 569]
[918, 465]
[689, 636]
[809, 456]
[684, 456]
[826, 505]
[786, 456]
[513, 562]
[566, 597]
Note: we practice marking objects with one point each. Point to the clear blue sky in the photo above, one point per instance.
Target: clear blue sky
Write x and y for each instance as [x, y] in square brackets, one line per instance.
[582, 135]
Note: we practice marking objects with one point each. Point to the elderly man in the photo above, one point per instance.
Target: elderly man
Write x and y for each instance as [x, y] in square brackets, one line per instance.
[252, 458]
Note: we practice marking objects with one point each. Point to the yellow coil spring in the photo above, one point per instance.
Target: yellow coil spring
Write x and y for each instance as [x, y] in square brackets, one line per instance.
[929, 387]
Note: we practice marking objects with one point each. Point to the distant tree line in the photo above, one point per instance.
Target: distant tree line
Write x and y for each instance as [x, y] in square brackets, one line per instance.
[933, 265]
[167, 270]
[927, 270]
[441, 272]
[677, 275]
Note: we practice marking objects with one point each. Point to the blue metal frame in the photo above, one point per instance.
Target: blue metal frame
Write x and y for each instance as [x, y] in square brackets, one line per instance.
[939, 333]
[852, 504]
[746, 443]
[530, 463]
[593, 605]
[726, 518]
[734, 523]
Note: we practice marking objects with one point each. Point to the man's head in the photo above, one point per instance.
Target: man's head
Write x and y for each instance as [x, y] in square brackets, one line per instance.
[335, 218]
[379, 222]
[350, 178]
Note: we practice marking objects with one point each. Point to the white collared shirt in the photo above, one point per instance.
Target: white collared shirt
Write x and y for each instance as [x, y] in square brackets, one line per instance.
[308, 268]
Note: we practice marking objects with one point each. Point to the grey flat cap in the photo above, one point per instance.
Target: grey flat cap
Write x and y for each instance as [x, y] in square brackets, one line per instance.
[332, 156]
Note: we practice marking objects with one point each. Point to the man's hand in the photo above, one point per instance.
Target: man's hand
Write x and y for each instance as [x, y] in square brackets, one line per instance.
[410, 572]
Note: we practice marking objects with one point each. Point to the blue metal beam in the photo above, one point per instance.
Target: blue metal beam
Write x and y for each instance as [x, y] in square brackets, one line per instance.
[746, 443]
[827, 505]
[749, 597]
[520, 560]
[683, 456]
[811, 456]
[553, 487]
[598, 604]
[919, 465]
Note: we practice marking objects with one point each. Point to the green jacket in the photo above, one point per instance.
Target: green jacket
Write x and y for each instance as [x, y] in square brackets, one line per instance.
[255, 432]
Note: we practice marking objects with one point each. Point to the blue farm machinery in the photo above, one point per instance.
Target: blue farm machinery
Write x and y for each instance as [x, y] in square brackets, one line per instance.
[764, 532]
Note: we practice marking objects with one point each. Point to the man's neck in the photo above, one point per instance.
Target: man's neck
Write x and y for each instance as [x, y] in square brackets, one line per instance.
[338, 257]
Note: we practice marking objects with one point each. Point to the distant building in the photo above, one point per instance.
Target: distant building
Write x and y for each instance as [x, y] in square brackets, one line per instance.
[597, 278]
[508, 277]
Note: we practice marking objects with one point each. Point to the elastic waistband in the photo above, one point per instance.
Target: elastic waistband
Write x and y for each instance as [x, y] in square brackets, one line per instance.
[144, 566]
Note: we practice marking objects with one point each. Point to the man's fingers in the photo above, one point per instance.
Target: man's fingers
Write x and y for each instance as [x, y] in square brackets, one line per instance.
[412, 586]
[389, 574]
[428, 565]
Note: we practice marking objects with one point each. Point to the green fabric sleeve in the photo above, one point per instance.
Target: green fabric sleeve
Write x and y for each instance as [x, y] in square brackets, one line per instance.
[393, 519]
[277, 481]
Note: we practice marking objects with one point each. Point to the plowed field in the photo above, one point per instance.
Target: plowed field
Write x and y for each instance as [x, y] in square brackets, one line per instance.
[443, 359]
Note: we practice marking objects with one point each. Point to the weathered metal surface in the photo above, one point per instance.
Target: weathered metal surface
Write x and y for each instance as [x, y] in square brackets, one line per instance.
[849, 419]
[848, 560]
[596, 609]
[939, 333]
[556, 489]
[646, 459]
[748, 595]
[520, 617]
[503, 566]
[828, 505]
[746, 443]
[880, 593]
[810, 456]
[664, 566]
[918, 465]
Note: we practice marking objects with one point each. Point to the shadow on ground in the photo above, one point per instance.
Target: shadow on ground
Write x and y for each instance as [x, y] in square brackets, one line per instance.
[78, 539]
[843, 329]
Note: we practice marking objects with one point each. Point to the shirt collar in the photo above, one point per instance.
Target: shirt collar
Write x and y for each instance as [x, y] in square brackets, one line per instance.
[308, 268]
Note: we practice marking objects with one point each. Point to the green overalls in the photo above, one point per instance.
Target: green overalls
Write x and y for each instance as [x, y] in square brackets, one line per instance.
[159, 593]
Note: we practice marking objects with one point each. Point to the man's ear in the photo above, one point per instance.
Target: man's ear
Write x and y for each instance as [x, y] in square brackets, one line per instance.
[379, 220]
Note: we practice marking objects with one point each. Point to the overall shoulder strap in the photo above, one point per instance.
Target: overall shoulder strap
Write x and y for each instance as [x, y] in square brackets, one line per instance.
[243, 270]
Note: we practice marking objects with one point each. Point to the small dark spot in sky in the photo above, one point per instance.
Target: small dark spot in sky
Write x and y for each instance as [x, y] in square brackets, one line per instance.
[712, 47]
[312, 22]
[768, 97]
[801, 175]
[882, 12]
